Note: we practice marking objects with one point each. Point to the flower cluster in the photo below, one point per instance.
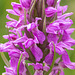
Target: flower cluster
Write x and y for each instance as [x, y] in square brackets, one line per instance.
[42, 31]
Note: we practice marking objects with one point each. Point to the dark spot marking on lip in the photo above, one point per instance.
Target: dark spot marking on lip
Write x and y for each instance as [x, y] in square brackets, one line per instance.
[20, 8]
[14, 38]
[55, 64]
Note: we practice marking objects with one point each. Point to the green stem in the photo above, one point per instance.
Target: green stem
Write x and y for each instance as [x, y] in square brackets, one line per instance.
[32, 9]
[5, 59]
[27, 72]
[45, 53]
[25, 16]
[55, 2]
[58, 73]
[52, 65]
[31, 3]
[44, 25]
[43, 9]
[31, 57]
[39, 7]
[19, 64]
[60, 38]
[18, 34]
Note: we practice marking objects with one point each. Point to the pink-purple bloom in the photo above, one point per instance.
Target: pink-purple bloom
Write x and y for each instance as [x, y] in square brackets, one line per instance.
[38, 36]
[50, 11]
[26, 3]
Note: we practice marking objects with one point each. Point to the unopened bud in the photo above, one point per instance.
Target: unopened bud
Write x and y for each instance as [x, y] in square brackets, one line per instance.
[26, 3]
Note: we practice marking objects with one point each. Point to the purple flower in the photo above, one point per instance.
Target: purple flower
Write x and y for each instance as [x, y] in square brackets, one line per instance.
[17, 9]
[12, 70]
[64, 16]
[38, 67]
[61, 9]
[50, 2]
[42, 31]
[52, 37]
[50, 11]
[67, 62]
[49, 58]
[37, 52]
[53, 28]
[58, 68]
[36, 32]
[14, 23]
[26, 3]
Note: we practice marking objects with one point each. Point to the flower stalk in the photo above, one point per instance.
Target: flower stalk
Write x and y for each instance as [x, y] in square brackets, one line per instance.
[19, 64]
[5, 59]
[31, 9]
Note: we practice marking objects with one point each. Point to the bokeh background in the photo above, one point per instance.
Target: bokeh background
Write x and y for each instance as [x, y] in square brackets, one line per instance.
[6, 4]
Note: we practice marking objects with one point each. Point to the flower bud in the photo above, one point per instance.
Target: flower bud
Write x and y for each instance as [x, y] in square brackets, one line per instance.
[50, 2]
[50, 11]
[26, 3]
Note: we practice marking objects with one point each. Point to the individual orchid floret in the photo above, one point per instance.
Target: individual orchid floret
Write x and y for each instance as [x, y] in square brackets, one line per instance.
[14, 23]
[12, 37]
[52, 38]
[12, 70]
[61, 9]
[26, 3]
[53, 28]
[67, 62]
[50, 11]
[66, 38]
[50, 2]
[39, 68]
[64, 16]
[36, 51]
[36, 32]
[58, 68]
[17, 9]
[49, 58]
[59, 26]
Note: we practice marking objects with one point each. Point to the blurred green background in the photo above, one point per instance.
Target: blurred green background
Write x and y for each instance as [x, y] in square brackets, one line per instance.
[6, 4]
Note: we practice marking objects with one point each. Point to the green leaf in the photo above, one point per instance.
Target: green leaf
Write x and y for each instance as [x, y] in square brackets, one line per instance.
[5, 59]
[19, 64]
